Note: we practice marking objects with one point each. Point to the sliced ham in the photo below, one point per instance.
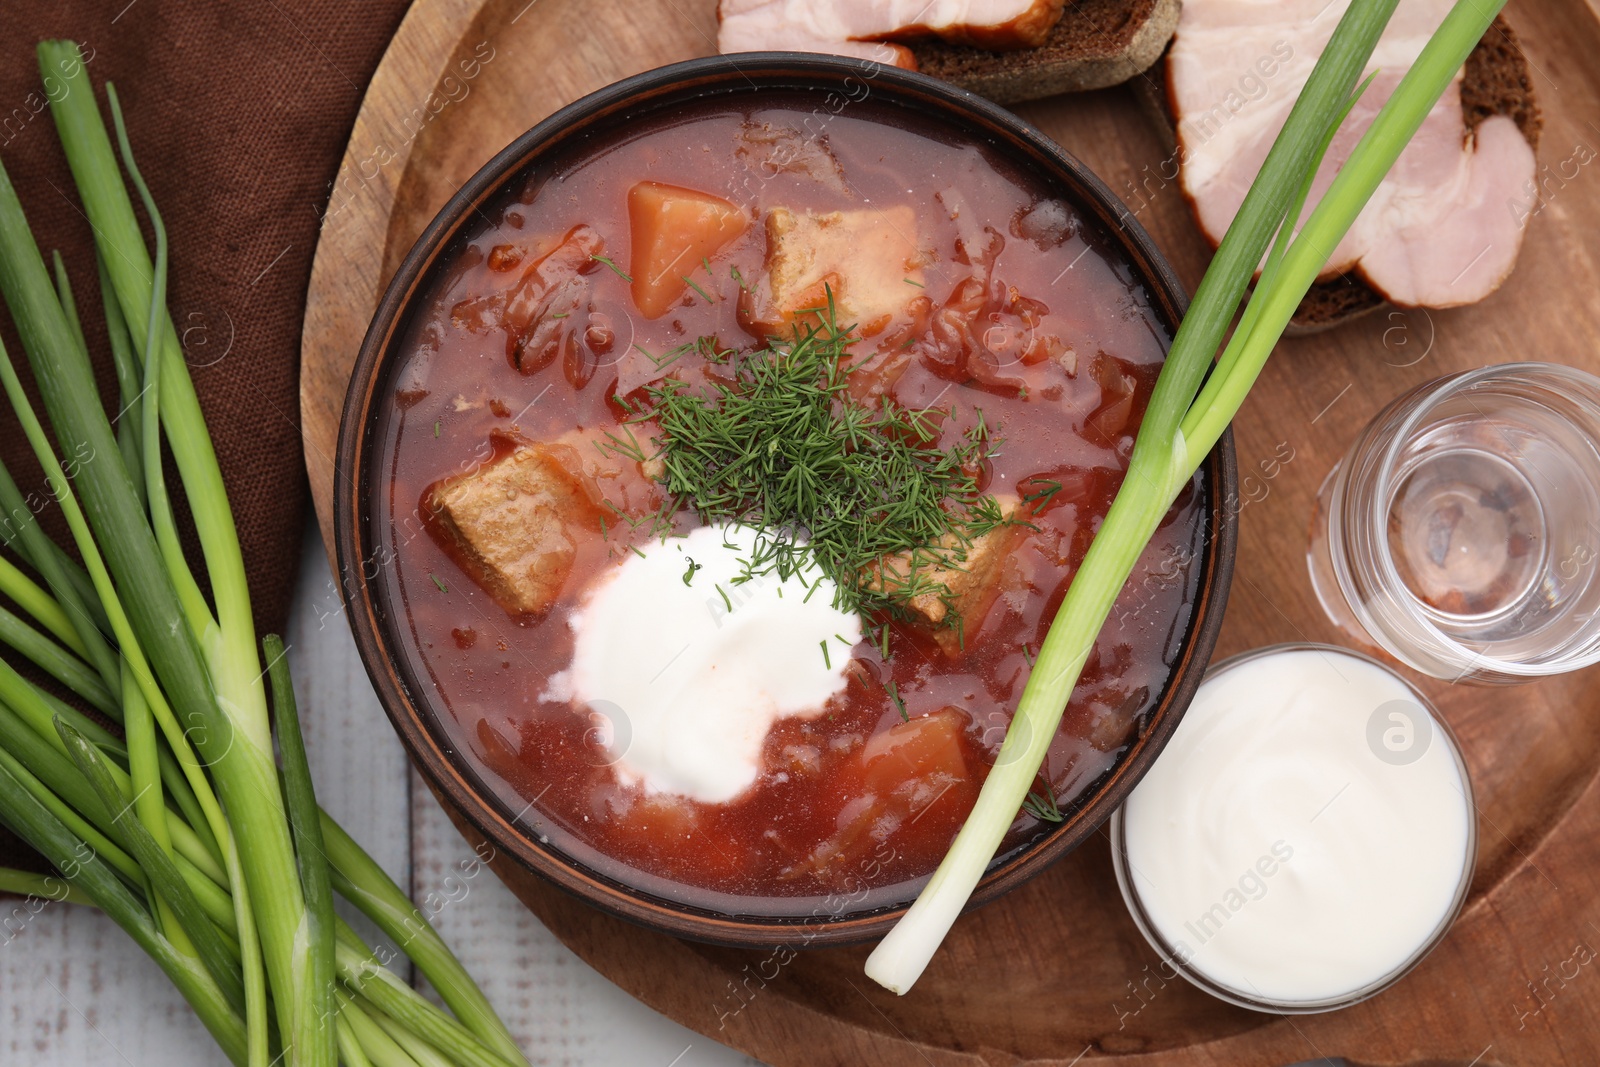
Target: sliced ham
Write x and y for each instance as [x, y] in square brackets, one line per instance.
[1438, 232]
[867, 29]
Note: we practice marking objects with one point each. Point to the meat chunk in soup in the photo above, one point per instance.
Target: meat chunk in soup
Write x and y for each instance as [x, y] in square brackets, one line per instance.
[514, 522]
[673, 229]
[869, 259]
[958, 588]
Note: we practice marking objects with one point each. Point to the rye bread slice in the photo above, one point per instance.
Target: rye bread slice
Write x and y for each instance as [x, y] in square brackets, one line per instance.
[1496, 81]
[1096, 44]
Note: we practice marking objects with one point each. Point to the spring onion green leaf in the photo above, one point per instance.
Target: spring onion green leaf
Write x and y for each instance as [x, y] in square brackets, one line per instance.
[305, 820]
[43, 886]
[1179, 428]
[84, 869]
[157, 865]
[182, 829]
[362, 882]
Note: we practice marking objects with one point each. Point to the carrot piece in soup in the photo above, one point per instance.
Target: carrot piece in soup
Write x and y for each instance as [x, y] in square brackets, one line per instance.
[672, 230]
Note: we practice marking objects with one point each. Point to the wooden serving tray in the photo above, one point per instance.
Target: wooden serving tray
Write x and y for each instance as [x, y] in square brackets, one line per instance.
[1056, 973]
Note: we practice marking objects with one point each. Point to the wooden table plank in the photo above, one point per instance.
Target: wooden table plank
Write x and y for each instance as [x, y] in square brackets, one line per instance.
[75, 990]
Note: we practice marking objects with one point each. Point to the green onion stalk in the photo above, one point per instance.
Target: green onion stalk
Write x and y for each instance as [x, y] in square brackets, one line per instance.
[1184, 421]
[185, 828]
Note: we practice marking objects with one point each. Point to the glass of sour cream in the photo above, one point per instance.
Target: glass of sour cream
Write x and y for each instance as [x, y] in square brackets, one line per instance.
[1307, 836]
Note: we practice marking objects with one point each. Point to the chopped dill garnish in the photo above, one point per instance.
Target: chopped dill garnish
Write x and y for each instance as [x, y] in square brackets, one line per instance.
[844, 641]
[894, 695]
[728, 603]
[559, 315]
[908, 281]
[438, 582]
[436, 426]
[664, 360]
[637, 551]
[862, 493]
[629, 449]
[1042, 495]
[1029, 656]
[705, 261]
[826, 662]
[1042, 806]
[883, 641]
[603, 535]
[618, 512]
[607, 261]
[738, 279]
[688, 575]
[704, 295]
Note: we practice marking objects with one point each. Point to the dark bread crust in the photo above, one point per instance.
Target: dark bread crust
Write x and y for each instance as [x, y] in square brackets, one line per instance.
[1496, 81]
[1097, 43]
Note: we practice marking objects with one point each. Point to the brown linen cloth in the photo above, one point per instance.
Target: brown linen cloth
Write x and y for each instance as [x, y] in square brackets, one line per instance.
[238, 113]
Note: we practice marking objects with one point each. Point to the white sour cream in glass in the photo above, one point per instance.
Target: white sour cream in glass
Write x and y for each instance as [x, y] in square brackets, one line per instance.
[1304, 832]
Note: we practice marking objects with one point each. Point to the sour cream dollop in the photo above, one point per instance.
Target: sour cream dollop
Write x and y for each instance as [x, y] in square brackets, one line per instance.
[688, 677]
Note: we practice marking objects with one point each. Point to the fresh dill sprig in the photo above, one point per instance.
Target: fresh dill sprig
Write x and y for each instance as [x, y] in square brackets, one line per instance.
[894, 695]
[703, 294]
[629, 449]
[608, 262]
[1042, 805]
[821, 480]
[1041, 496]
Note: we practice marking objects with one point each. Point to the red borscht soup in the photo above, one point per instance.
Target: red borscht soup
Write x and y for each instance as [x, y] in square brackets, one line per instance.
[759, 312]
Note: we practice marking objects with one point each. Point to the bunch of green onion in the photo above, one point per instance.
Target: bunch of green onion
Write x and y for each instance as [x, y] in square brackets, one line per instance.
[185, 829]
[1184, 420]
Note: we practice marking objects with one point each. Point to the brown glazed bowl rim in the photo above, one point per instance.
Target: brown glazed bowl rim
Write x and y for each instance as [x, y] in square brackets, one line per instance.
[833, 81]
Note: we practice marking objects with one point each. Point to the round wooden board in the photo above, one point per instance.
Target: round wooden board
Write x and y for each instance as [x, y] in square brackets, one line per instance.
[1056, 973]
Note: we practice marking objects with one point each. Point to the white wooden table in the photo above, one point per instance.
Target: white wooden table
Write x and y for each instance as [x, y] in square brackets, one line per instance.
[74, 990]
